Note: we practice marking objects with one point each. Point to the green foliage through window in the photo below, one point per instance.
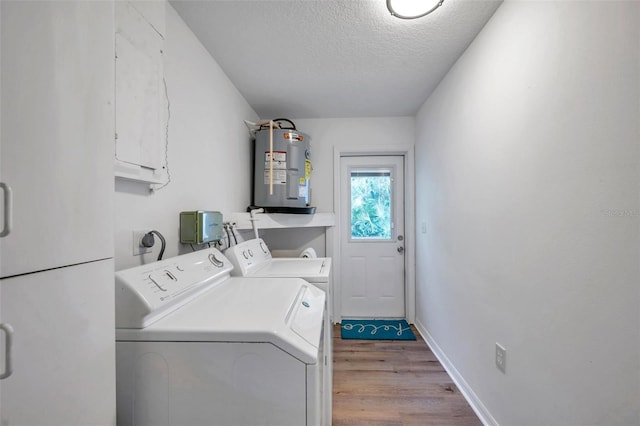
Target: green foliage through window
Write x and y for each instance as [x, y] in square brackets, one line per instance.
[371, 204]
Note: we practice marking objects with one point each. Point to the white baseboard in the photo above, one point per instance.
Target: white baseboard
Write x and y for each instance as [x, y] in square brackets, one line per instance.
[481, 411]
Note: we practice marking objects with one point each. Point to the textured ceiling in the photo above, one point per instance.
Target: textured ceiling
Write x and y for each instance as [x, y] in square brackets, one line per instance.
[333, 58]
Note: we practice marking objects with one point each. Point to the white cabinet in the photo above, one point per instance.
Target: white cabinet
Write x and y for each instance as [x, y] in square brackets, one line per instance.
[142, 104]
[56, 266]
[57, 120]
[63, 347]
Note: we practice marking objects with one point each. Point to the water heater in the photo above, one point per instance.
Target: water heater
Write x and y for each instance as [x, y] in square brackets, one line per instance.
[282, 173]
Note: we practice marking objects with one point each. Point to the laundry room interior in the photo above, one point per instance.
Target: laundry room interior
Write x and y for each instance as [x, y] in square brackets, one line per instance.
[521, 161]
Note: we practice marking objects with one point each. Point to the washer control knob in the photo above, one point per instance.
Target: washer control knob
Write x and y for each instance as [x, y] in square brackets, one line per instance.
[157, 283]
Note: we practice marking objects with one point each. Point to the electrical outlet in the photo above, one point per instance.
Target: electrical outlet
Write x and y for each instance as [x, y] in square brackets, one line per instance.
[137, 238]
[501, 358]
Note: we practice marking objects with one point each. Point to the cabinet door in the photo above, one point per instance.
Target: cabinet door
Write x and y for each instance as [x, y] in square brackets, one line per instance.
[3, 360]
[57, 134]
[63, 347]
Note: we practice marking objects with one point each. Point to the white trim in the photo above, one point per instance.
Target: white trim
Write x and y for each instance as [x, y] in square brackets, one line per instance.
[333, 234]
[476, 404]
[282, 220]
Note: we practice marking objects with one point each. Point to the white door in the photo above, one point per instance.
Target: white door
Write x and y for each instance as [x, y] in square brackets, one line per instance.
[372, 237]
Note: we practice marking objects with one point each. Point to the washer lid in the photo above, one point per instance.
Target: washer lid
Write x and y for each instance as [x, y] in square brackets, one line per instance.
[316, 269]
[285, 312]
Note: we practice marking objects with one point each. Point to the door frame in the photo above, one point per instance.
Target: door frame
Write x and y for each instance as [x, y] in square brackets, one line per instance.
[333, 233]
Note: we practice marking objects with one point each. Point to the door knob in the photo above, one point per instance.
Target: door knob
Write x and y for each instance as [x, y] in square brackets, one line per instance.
[400, 249]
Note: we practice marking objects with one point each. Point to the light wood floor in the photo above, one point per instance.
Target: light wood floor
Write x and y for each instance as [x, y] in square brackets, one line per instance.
[394, 383]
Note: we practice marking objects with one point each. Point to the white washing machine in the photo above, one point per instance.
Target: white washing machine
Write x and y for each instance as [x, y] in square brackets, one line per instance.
[253, 259]
[195, 346]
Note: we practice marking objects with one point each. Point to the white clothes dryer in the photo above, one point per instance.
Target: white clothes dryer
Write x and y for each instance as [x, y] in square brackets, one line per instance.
[195, 346]
[253, 259]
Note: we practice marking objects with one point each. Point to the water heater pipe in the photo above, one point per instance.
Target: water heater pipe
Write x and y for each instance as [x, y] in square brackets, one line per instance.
[253, 221]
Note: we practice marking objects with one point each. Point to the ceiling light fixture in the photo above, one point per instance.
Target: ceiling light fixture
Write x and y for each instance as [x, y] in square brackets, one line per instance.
[412, 9]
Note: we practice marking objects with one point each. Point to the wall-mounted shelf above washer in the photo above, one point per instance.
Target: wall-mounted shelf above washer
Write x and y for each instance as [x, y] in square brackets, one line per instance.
[282, 220]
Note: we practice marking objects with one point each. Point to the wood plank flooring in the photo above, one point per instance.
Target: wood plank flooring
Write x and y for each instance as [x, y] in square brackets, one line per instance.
[394, 383]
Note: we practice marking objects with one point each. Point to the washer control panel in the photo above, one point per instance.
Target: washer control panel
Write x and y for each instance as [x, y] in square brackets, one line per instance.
[146, 293]
[248, 255]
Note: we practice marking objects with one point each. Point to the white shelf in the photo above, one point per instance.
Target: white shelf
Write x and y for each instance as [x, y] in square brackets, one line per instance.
[282, 220]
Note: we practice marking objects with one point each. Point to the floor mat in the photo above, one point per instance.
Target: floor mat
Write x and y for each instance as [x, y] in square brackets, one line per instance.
[376, 329]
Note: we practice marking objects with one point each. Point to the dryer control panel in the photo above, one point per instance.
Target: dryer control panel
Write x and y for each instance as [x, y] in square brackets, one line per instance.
[146, 293]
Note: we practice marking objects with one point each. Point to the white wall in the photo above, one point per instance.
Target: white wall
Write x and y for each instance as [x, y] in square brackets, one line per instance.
[210, 154]
[326, 135]
[209, 150]
[527, 169]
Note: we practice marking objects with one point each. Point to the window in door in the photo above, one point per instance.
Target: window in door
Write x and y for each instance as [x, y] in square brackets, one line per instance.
[371, 193]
